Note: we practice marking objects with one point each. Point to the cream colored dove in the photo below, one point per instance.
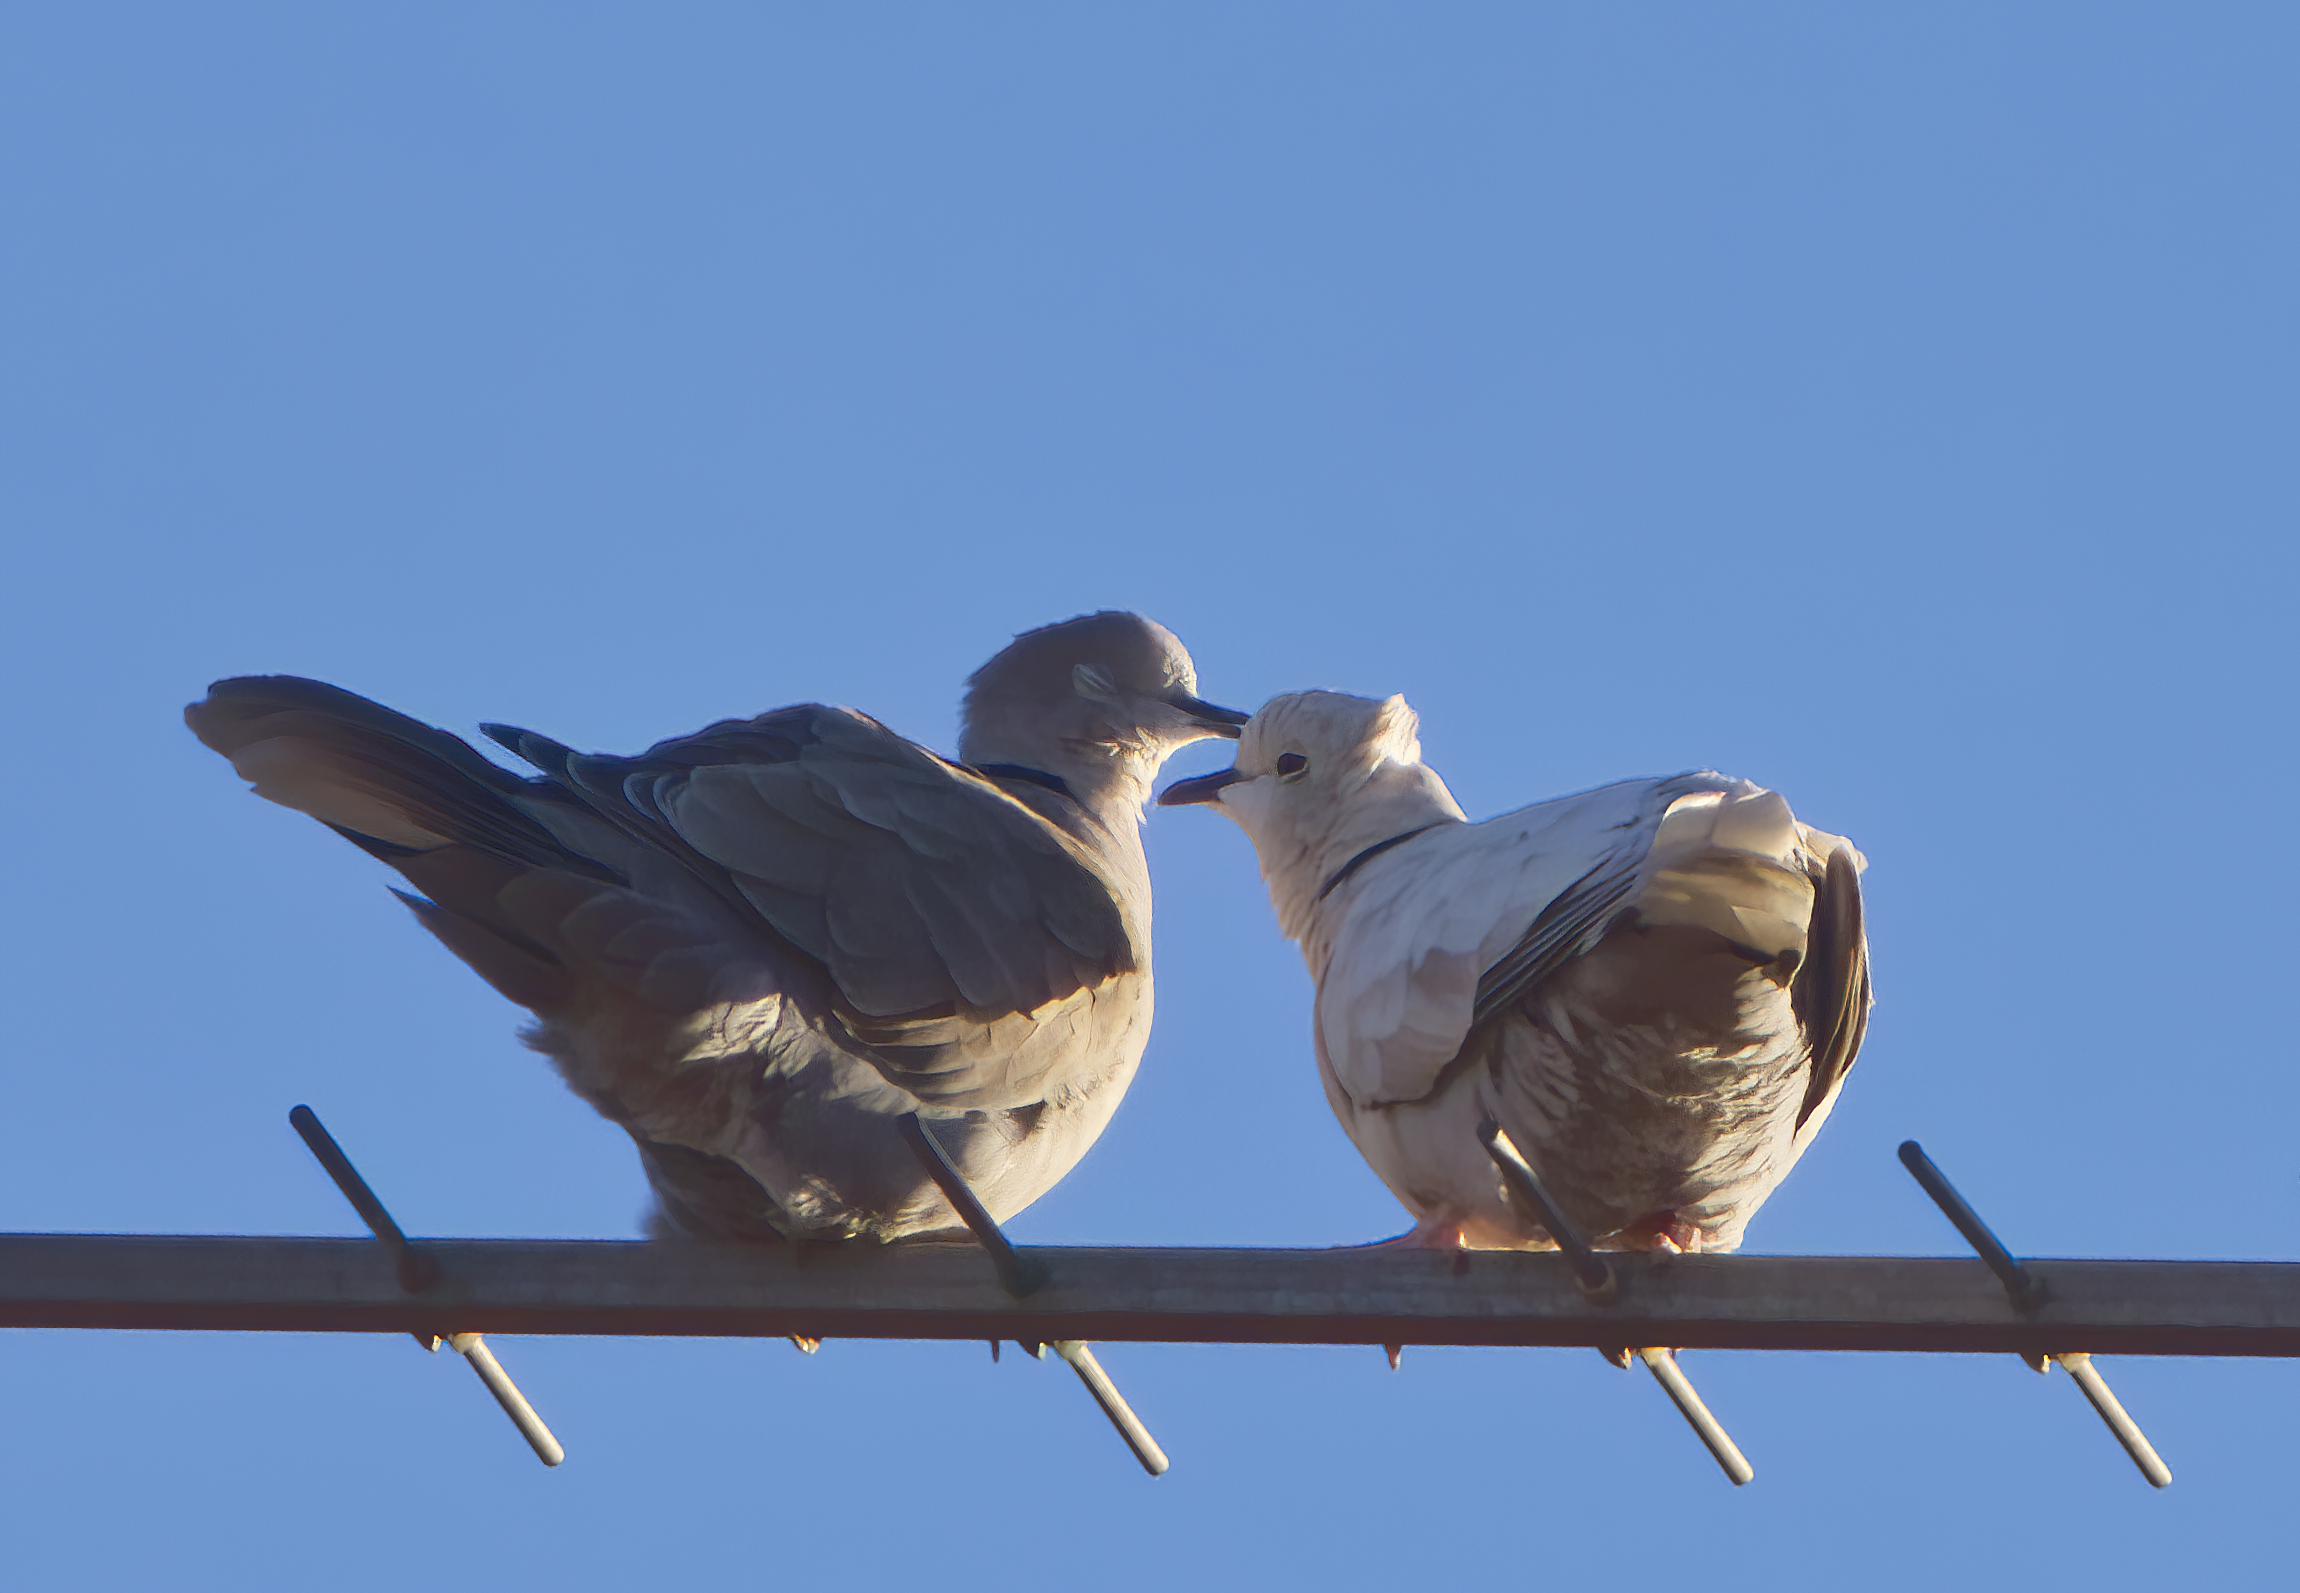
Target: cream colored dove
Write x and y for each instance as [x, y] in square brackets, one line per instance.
[1655, 987]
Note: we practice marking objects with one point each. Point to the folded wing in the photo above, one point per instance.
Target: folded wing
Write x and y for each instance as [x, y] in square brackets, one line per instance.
[1457, 925]
[951, 919]
[951, 922]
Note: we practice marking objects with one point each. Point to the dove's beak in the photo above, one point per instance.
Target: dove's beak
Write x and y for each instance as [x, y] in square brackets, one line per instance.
[1222, 721]
[1205, 788]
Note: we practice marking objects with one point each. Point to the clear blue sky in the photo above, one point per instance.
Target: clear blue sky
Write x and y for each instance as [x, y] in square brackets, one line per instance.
[1896, 409]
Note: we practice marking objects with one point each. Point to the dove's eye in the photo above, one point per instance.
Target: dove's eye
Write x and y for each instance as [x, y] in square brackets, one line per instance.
[1291, 764]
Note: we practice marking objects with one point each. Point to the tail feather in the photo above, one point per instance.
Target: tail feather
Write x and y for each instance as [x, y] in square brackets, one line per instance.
[540, 750]
[461, 830]
[365, 770]
[520, 971]
[471, 884]
[246, 700]
[1832, 989]
[1729, 863]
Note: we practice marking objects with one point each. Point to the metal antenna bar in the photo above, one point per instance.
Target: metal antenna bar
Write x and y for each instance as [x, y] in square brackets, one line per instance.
[417, 1271]
[2026, 1294]
[1663, 1365]
[1602, 1287]
[1020, 1275]
[2128, 1433]
[474, 1349]
[1113, 1404]
[2024, 1291]
[213, 1283]
[1594, 1274]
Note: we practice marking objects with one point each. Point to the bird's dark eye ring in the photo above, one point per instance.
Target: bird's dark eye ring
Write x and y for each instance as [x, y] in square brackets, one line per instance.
[1291, 764]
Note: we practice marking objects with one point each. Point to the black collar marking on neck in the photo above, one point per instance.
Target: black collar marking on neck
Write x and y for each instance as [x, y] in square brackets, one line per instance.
[1015, 771]
[1367, 856]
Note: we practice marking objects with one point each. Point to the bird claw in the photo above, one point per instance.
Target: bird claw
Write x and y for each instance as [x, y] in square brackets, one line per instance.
[1425, 1235]
[1663, 1233]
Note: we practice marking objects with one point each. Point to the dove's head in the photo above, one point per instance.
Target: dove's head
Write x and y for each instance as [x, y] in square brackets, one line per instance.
[1320, 777]
[1099, 701]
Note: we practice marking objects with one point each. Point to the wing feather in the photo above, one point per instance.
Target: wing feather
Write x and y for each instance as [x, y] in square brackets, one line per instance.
[937, 904]
[1831, 993]
[1454, 925]
[1564, 930]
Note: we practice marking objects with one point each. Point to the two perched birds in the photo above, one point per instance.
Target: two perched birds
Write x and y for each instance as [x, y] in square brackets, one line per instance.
[758, 947]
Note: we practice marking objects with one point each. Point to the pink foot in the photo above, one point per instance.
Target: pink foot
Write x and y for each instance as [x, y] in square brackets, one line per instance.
[1429, 1234]
[1664, 1232]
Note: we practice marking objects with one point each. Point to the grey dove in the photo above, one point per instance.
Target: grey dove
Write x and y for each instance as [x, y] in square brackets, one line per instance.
[756, 947]
[1655, 988]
